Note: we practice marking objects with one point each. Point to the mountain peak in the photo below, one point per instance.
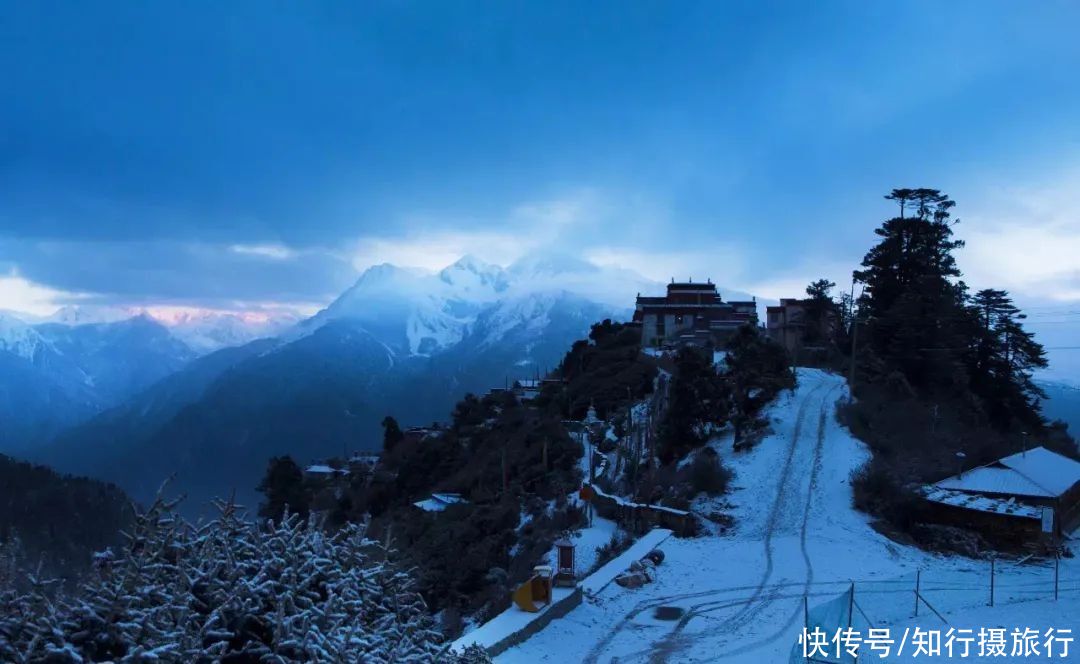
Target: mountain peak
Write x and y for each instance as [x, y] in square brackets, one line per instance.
[472, 274]
[550, 263]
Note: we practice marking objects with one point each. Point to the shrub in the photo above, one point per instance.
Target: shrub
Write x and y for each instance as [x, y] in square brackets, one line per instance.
[707, 474]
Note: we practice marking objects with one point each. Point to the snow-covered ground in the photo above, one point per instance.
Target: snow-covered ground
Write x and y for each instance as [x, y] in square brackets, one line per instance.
[796, 536]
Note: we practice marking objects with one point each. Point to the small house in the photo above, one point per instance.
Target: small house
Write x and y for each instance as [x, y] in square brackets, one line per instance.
[323, 472]
[438, 502]
[1012, 496]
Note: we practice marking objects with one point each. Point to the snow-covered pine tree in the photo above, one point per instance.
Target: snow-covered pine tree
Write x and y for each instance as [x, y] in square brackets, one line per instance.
[231, 590]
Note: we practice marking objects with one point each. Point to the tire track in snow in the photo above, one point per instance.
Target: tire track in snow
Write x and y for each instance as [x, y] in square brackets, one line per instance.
[750, 607]
[812, 486]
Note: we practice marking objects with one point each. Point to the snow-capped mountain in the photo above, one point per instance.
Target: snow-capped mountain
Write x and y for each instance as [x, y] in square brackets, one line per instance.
[417, 313]
[75, 314]
[55, 374]
[207, 331]
[20, 339]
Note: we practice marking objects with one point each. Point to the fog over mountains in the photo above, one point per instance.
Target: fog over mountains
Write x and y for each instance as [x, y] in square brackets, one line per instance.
[400, 341]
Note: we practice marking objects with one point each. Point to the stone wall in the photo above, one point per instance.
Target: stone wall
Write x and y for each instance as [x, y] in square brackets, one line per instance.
[557, 610]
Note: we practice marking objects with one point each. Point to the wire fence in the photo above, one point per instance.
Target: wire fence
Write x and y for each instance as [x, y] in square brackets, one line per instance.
[933, 594]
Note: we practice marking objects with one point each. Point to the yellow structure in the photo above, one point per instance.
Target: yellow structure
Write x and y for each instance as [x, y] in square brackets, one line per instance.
[536, 591]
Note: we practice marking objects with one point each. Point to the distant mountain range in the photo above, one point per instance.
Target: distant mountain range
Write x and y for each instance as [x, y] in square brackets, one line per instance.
[399, 342]
[53, 375]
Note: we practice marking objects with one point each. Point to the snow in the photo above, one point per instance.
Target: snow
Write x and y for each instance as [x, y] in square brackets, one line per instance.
[1038, 472]
[981, 503]
[626, 503]
[439, 502]
[514, 619]
[322, 469]
[420, 312]
[1037, 615]
[1049, 470]
[796, 535]
[18, 338]
[430, 505]
[206, 331]
[602, 577]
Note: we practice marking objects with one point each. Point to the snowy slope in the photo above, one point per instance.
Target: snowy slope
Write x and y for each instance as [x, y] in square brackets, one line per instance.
[20, 339]
[796, 535]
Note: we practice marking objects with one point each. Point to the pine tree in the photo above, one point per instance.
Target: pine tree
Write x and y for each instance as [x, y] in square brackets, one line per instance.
[700, 402]
[912, 300]
[821, 313]
[283, 487]
[1003, 357]
[231, 591]
[392, 434]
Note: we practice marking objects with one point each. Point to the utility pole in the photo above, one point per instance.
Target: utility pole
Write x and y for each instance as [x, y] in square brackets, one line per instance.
[851, 369]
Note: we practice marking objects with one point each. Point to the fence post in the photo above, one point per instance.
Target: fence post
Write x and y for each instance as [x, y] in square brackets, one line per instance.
[991, 580]
[851, 605]
[1057, 565]
[851, 611]
[806, 624]
[918, 580]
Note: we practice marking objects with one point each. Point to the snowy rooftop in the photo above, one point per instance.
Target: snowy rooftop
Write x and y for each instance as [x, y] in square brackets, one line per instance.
[981, 503]
[439, 502]
[323, 469]
[1036, 473]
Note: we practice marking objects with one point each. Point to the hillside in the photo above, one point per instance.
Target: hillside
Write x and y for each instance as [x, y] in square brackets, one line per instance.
[57, 519]
[795, 534]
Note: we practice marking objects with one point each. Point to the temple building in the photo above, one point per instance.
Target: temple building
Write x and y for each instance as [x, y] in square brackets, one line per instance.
[691, 313]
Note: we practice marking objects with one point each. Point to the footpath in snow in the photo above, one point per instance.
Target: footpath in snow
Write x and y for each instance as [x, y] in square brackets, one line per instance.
[796, 536]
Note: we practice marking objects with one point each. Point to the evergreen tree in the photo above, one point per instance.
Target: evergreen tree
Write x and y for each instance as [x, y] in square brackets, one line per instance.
[392, 434]
[923, 325]
[700, 402]
[758, 368]
[821, 313]
[912, 301]
[1003, 358]
[229, 591]
[283, 486]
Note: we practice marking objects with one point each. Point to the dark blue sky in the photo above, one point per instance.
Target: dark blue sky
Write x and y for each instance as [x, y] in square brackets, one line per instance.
[225, 154]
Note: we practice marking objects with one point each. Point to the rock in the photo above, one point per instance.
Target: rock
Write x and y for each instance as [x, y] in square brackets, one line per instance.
[668, 612]
[635, 580]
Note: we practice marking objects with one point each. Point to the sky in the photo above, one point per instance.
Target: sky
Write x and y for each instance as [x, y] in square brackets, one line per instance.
[259, 156]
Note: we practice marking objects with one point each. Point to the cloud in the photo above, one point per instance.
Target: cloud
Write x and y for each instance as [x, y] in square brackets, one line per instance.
[24, 296]
[724, 264]
[275, 251]
[559, 223]
[166, 272]
[434, 251]
[1026, 240]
